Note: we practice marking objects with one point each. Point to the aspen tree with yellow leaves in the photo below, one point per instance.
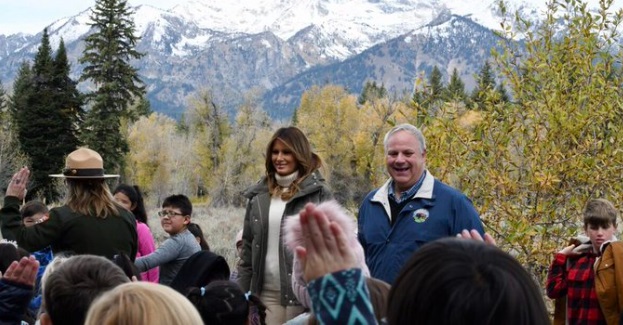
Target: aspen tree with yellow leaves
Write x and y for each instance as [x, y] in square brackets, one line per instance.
[161, 164]
[531, 164]
[329, 117]
[242, 156]
[209, 125]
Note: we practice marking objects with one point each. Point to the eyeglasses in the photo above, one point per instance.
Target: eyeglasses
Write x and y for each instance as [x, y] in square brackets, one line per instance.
[169, 213]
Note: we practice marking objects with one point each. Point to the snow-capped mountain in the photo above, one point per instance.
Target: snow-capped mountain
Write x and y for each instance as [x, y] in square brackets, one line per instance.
[234, 46]
[350, 26]
[397, 63]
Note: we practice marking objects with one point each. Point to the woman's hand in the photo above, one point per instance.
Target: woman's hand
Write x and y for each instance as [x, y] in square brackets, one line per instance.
[326, 245]
[17, 185]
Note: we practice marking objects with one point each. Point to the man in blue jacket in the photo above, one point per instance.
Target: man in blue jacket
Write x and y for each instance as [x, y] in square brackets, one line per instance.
[411, 208]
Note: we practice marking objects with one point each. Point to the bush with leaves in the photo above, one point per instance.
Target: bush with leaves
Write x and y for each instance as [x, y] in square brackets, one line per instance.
[531, 164]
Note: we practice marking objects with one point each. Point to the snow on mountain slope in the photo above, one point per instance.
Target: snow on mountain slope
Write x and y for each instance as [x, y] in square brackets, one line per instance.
[234, 46]
[286, 17]
[349, 26]
[352, 25]
[69, 28]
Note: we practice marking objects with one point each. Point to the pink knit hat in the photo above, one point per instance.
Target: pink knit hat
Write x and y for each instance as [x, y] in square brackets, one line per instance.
[293, 237]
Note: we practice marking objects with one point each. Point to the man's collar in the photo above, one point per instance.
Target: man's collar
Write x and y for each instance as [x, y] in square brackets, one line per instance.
[405, 195]
[425, 191]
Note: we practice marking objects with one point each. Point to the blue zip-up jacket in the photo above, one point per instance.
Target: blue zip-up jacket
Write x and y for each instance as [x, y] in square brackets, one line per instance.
[435, 211]
[14, 298]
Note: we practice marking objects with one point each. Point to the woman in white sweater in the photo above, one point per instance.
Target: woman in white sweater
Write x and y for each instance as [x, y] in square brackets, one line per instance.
[292, 179]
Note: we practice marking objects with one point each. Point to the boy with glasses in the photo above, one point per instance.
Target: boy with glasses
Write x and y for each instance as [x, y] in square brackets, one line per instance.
[173, 252]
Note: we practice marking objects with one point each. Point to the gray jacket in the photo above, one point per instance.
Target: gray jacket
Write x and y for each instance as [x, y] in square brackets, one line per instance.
[170, 256]
[251, 269]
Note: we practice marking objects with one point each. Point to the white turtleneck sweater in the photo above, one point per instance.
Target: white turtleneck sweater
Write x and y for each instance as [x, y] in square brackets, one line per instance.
[275, 214]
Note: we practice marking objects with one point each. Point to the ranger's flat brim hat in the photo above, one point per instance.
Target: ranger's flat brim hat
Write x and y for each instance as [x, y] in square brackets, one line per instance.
[84, 163]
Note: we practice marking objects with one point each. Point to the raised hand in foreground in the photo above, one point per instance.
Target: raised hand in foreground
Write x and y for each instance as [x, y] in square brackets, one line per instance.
[326, 245]
[18, 183]
[474, 235]
[22, 272]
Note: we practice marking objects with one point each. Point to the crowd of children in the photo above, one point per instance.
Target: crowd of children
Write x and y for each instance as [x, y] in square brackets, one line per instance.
[86, 289]
[89, 289]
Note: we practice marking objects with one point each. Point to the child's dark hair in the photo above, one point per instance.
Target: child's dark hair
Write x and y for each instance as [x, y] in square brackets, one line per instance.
[458, 281]
[9, 252]
[123, 261]
[601, 213]
[179, 201]
[200, 269]
[197, 232]
[136, 198]
[223, 302]
[33, 207]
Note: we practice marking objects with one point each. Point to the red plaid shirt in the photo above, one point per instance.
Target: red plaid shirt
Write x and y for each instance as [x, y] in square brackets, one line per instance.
[577, 282]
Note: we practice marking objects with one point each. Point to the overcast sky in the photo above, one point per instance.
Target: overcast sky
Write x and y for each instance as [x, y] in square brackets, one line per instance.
[33, 15]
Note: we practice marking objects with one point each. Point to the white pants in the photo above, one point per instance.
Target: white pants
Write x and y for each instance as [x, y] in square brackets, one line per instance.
[276, 314]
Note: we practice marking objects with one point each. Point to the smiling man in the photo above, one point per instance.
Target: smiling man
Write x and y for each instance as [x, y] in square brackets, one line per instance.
[411, 208]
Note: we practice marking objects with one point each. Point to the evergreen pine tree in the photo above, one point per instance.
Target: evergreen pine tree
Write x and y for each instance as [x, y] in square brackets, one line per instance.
[295, 117]
[67, 103]
[36, 123]
[436, 85]
[107, 55]
[485, 83]
[501, 90]
[143, 108]
[42, 67]
[182, 126]
[46, 116]
[4, 115]
[418, 97]
[10, 155]
[456, 88]
[428, 97]
[371, 91]
[3, 103]
[22, 90]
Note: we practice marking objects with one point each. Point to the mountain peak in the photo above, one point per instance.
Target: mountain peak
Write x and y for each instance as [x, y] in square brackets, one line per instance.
[284, 46]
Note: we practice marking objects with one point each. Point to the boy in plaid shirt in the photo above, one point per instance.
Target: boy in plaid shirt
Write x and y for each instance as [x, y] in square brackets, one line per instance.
[572, 275]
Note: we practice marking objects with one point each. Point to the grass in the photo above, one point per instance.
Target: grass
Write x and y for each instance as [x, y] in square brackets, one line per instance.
[219, 225]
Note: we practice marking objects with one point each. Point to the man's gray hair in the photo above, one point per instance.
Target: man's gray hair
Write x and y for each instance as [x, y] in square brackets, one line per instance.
[409, 128]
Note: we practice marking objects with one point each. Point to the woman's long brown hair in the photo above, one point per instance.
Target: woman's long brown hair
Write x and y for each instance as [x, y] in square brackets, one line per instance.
[307, 161]
[91, 197]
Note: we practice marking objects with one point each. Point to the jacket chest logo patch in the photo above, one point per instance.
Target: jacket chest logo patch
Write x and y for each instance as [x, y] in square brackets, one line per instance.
[420, 215]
